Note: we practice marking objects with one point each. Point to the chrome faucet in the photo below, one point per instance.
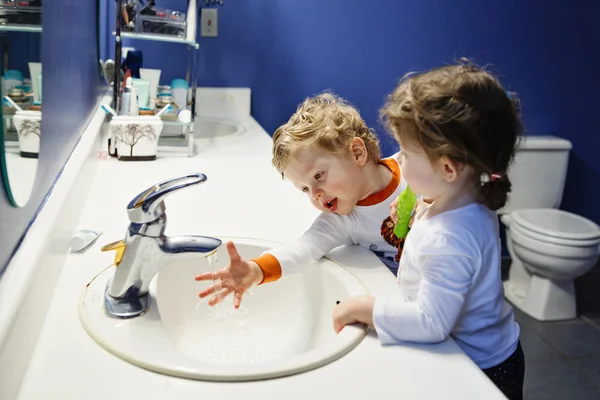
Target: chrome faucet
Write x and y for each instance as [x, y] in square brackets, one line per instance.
[146, 249]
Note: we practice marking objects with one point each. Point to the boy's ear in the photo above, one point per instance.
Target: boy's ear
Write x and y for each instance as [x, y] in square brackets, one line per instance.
[359, 151]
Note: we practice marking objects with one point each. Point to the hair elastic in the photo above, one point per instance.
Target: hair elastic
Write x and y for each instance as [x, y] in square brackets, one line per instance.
[485, 177]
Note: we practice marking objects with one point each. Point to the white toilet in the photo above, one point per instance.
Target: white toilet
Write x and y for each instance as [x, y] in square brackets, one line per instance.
[549, 248]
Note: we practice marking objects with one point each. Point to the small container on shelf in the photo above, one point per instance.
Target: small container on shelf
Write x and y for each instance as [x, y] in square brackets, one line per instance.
[164, 98]
[171, 115]
[179, 91]
[164, 22]
[20, 98]
[12, 79]
[146, 111]
[21, 12]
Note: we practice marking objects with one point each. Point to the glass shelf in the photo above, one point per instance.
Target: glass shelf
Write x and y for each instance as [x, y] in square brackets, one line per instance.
[155, 38]
[19, 18]
[20, 28]
[176, 137]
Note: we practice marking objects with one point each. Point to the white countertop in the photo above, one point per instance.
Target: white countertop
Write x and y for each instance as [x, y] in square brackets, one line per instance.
[244, 196]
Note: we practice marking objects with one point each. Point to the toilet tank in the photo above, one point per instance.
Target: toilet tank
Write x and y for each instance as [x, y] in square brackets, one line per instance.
[538, 173]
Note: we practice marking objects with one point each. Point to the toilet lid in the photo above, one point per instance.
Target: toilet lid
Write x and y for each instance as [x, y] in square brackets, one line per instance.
[540, 237]
[557, 223]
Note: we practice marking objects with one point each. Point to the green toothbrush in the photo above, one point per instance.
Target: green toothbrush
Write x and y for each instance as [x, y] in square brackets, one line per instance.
[406, 205]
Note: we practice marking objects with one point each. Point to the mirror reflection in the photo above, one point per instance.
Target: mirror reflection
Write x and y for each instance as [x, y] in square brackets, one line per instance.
[21, 85]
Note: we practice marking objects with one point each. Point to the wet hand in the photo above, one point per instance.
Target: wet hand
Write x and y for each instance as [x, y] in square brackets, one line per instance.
[237, 277]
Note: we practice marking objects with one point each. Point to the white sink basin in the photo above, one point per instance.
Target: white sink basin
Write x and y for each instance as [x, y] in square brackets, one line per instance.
[282, 328]
[210, 128]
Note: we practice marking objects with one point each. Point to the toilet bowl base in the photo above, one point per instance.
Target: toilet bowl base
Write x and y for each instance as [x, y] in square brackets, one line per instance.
[545, 300]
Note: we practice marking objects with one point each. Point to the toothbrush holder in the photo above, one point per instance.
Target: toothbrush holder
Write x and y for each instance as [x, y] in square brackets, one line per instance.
[135, 137]
[28, 126]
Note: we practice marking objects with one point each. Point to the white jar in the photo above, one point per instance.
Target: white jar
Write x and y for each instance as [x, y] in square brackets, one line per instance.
[179, 91]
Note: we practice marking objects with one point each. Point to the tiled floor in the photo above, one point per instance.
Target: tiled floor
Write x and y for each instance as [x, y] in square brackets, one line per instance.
[562, 359]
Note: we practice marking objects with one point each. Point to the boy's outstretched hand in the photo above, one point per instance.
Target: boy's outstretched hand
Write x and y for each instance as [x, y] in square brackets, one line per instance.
[237, 277]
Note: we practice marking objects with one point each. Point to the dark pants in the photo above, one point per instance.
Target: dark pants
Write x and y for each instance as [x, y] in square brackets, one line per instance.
[510, 374]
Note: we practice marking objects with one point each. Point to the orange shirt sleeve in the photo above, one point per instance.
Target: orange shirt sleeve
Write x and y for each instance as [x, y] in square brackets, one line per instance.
[270, 267]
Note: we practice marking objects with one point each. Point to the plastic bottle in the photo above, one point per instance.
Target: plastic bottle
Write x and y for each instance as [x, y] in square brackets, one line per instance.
[133, 102]
[126, 98]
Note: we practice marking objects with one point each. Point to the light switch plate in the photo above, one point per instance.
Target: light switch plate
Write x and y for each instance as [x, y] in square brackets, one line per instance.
[208, 22]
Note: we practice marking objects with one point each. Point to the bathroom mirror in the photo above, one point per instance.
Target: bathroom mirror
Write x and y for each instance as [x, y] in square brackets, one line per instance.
[21, 86]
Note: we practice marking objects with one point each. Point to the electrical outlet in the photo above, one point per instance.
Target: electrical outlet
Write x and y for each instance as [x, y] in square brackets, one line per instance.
[208, 22]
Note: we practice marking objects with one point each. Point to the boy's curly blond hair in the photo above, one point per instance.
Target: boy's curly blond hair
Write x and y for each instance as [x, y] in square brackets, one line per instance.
[325, 121]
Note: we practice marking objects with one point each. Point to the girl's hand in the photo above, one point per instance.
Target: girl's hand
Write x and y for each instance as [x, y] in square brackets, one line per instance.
[357, 309]
[394, 211]
[237, 277]
[420, 204]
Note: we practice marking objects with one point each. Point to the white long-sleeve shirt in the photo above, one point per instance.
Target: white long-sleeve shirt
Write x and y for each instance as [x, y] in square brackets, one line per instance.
[450, 285]
[362, 226]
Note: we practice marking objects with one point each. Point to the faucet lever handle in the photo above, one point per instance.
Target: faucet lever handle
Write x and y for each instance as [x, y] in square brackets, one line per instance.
[148, 206]
[119, 246]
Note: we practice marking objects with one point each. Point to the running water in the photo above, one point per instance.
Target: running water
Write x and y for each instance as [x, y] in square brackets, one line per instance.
[224, 310]
[235, 338]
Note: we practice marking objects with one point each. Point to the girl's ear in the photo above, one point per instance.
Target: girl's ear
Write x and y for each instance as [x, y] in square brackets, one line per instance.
[449, 169]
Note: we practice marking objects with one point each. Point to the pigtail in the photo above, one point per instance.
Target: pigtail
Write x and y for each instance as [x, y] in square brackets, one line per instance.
[493, 190]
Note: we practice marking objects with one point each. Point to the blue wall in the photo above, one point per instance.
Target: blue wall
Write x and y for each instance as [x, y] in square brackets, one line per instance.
[546, 50]
[71, 86]
[23, 48]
